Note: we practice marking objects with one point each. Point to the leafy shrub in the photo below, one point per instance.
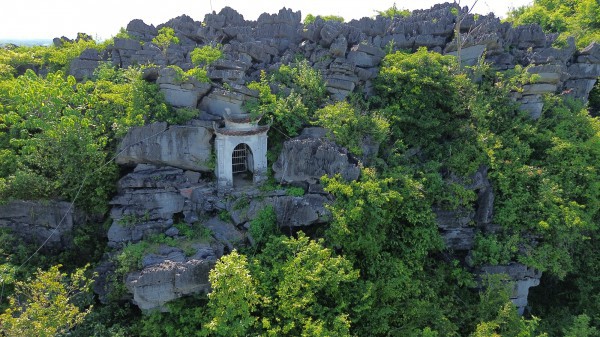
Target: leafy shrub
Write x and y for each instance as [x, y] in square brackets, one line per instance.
[393, 12]
[166, 37]
[205, 55]
[130, 258]
[309, 18]
[263, 226]
[46, 301]
[234, 297]
[199, 74]
[294, 191]
[350, 128]
[493, 250]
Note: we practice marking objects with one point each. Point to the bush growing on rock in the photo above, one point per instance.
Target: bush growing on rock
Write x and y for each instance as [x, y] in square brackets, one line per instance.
[166, 37]
[205, 55]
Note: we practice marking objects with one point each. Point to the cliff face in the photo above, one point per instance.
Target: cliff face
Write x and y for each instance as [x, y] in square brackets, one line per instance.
[153, 199]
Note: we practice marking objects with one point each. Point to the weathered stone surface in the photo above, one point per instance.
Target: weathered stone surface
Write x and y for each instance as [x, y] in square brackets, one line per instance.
[292, 212]
[185, 147]
[224, 232]
[537, 89]
[126, 44]
[219, 100]
[580, 88]
[455, 229]
[339, 46]
[155, 285]
[329, 32]
[523, 277]
[181, 93]
[140, 30]
[147, 202]
[584, 70]
[590, 54]
[82, 69]
[35, 222]
[307, 159]
[469, 55]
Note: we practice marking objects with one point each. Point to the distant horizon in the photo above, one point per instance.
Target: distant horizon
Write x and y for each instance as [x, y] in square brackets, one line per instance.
[26, 42]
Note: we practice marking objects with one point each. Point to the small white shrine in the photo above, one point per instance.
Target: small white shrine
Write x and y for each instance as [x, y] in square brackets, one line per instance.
[241, 149]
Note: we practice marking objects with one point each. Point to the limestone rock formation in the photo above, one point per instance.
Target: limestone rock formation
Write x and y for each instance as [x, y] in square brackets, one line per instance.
[169, 275]
[290, 211]
[186, 147]
[179, 92]
[34, 222]
[306, 158]
[459, 226]
[523, 278]
[83, 67]
[160, 192]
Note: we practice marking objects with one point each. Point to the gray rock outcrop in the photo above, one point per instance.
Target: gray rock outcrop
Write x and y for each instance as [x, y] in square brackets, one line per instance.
[308, 157]
[458, 227]
[169, 275]
[181, 92]
[34, 222]
[523, 278]
[186, 147]
[83, 67]
[290, 211]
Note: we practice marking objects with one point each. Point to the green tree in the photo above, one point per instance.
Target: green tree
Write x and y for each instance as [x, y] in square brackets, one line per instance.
[350, 127]
[166, 37]
[234, 297]
[205, 55]
[577, 18]
[304, 288]
[46, 305]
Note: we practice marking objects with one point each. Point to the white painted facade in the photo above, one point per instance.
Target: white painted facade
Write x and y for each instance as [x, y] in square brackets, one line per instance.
[239, 130]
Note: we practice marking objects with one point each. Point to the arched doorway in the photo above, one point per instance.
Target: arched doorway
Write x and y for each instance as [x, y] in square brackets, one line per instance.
[242, 165]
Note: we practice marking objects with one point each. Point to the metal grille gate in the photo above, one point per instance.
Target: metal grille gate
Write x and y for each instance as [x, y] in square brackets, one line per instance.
[240, 158]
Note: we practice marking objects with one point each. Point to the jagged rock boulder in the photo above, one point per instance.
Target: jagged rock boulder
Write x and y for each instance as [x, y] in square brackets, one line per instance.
[186, 147]
[523, 278]
[305, 159]
[456, 228]
[219, 100]
[139, 30]
[224, 232]
[148, 199]
[291, 212]
[34, 222]
[84, 66]
[179, 92]
[169, 275]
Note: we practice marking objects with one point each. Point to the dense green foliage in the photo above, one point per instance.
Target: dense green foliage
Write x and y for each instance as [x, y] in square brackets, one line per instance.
[58, 134]
[577, 18]
[205, 55]
[301, 91]
[351, 128]
[15, 60]
[44, 306]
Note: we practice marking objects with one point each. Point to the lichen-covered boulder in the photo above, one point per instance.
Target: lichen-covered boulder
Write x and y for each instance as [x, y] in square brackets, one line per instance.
[169, 275]
[186, 147]
[37, 222]
[305, 159]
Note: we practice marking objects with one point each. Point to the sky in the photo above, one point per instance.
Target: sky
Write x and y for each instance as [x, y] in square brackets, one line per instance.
[46, 19]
